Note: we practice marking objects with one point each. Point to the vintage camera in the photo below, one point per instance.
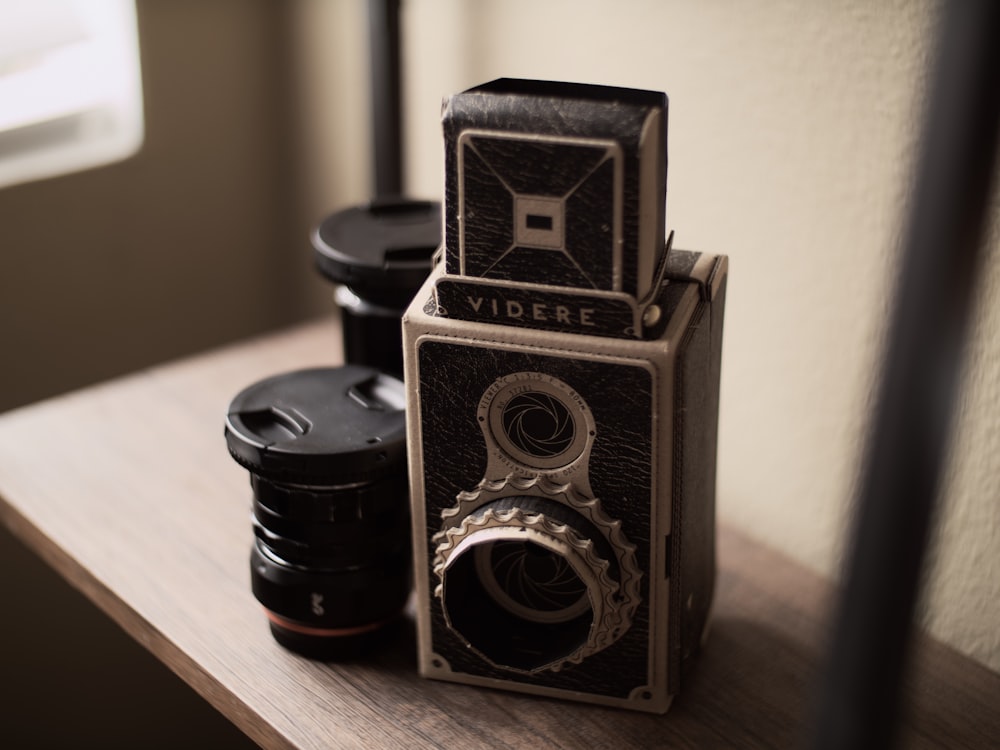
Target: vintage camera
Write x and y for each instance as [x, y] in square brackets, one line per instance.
[562, 371]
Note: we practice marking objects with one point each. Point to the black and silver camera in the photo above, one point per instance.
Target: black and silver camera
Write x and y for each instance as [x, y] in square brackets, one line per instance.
[562, 371]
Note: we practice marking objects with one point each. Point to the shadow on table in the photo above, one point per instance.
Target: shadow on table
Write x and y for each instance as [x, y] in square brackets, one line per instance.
[749, 687]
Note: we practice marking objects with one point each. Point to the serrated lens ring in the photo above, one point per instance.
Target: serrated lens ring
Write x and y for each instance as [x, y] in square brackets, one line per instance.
[529, 584]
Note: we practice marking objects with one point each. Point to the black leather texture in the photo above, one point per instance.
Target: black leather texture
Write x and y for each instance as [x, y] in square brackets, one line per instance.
[453, 378]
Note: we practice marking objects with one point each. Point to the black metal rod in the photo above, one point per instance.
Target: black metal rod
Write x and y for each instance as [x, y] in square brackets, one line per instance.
[383, 26]
[859, 694]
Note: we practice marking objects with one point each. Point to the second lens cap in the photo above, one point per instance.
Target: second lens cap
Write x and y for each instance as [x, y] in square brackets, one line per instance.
[382, 251]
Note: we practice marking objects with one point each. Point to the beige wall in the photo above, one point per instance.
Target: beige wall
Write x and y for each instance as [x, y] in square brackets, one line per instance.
[792, 128]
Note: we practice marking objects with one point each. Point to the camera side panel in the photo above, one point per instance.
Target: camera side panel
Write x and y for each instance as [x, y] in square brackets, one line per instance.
[696, 430]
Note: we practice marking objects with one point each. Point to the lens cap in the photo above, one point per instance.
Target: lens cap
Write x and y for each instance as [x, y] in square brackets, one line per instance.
[382, 251]
[329, 425]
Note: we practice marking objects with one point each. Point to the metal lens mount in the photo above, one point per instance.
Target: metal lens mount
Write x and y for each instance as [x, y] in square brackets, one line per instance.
[534, 577]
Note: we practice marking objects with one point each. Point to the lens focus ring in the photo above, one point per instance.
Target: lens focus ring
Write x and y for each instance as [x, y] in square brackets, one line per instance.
[534, 581]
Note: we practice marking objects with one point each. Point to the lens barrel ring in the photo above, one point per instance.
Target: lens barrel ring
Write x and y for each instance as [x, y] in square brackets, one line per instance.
[554, 517]
[567, 495]
[331, 599]
[363, 501]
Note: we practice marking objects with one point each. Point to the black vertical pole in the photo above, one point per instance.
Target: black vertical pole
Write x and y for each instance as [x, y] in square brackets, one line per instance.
[383, 22]
[859, 694]
[379, 254]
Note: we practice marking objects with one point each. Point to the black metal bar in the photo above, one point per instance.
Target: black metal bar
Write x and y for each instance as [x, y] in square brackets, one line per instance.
[383, 23]
[859, 694]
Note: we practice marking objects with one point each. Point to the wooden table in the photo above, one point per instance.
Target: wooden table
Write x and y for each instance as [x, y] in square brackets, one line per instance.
[127, 490]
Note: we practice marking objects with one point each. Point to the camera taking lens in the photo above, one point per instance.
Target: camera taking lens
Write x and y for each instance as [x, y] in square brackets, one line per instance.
[540, 573]
[325, 449]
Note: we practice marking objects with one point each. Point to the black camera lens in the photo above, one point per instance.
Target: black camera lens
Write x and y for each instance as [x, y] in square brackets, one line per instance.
[379, 255]
[325, 449]
[530, 584]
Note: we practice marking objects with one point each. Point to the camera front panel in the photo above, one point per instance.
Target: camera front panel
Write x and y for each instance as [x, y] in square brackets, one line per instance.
[497, 423]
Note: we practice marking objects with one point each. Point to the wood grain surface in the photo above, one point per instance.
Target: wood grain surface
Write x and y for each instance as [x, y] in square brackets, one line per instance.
[128, 491]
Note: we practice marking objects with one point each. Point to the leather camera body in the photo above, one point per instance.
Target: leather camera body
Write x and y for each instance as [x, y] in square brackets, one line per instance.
[562, 370]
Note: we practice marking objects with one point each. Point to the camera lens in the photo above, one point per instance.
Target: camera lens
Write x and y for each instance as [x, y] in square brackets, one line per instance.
[531, 583]
[325, 449]
[537, 421]
[538, 424]
[379, 255]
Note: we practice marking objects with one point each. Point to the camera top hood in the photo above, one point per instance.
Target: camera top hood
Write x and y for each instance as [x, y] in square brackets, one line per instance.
[557, 186]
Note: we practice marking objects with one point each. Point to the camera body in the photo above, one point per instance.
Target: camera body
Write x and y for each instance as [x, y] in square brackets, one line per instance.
[562, 371]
